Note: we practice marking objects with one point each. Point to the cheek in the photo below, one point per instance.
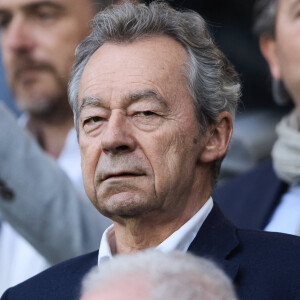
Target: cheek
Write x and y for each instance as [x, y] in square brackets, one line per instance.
[89, 160]
[288, 49]
[168, 158]
[59, 51]
[179, 153]
[290, 69]
[63, 62]
[6, 59]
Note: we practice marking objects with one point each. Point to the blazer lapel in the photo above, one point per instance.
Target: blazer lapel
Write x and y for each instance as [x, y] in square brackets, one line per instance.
[270, 196]
[216, 240]
[250, 199]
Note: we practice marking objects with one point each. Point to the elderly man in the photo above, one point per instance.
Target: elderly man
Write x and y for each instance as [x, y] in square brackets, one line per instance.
[268, 197]
[154, 275]
[153, 100]
[38, 40]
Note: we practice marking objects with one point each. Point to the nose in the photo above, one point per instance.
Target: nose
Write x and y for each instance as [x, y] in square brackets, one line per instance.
[16, 37]
[117, 137]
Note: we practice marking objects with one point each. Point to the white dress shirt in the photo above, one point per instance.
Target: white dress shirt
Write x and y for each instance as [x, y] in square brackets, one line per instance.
[18, 259]
[180, 240]
[286, 217]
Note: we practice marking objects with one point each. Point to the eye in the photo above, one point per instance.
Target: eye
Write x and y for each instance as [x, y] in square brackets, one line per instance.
[147, 120]
[44, 13]
[92, 124]
[92, 120]
[4, 21]
[146, 113]
[45, 16]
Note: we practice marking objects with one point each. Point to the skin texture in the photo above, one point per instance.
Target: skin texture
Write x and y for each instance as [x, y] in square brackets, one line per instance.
[145, 164]
[283, 53]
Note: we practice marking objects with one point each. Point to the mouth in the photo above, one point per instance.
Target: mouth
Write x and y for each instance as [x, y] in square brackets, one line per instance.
[27, 75]
[29, 68]
[120, 175]
[28, 71]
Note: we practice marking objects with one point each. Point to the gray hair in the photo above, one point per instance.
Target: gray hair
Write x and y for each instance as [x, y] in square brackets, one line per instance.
[265, 13]
[173, 275]
[211, 79]
[99, 5]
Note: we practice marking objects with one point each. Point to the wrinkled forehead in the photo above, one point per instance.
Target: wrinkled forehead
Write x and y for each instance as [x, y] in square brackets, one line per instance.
[156, 60]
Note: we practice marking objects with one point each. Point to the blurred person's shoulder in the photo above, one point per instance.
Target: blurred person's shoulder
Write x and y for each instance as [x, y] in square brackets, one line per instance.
[249, 199]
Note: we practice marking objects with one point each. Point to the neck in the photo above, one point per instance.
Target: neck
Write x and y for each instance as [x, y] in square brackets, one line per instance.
[135, 234]
[51, 131]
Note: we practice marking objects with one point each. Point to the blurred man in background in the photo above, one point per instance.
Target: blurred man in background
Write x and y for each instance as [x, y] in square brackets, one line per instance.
[268, 197]
[38, 40]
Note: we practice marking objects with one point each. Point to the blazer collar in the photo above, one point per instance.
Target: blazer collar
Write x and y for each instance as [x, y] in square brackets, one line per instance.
[271, 194]
[215, 240]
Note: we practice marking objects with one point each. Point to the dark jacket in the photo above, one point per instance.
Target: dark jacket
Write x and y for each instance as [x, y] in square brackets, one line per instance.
[262, 265]
[250, 200]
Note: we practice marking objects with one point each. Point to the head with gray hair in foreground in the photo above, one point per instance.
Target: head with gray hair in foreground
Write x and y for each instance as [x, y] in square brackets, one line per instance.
[153, 275]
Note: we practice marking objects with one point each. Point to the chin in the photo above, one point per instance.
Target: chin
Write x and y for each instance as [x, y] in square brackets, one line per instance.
[39, 99]
[125, 205]
[35, 107]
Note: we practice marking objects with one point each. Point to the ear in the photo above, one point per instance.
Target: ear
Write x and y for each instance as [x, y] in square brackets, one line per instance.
[269, 51]
[218, 138]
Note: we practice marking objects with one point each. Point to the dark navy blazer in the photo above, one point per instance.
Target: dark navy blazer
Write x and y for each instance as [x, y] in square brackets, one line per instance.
[262, 265]
[250, 200]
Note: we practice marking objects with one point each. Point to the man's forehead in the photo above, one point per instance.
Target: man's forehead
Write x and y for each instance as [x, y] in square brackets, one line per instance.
[154, 50]
[142, 61]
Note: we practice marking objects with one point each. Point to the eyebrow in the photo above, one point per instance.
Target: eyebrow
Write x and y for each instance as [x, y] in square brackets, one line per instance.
[51, 4]
[36, 5]
[91, 101]
[131, 98]
[148, 94]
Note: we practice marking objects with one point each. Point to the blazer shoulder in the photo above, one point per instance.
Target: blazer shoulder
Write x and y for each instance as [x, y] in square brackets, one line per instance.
[271, 248]
[266, 239]
[62, 281]
[245, 182]
[269, 265]
[249, 199]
